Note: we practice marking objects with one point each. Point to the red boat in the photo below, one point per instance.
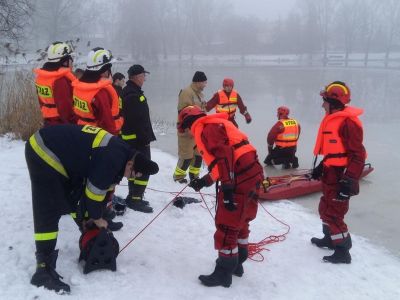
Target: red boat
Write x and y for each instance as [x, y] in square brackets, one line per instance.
[295, 185]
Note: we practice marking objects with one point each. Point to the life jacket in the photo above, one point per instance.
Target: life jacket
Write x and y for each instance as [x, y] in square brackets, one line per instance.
[225, 104]
[290, 134]
[45, 89]
[237, 139]
[329, 142]
[83, 96]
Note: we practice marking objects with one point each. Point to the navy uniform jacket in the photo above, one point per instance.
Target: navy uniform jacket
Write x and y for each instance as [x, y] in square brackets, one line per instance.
[84, 155]
[137, 129]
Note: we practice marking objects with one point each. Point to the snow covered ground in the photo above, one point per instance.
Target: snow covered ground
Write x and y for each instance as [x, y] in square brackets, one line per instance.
[166, 259]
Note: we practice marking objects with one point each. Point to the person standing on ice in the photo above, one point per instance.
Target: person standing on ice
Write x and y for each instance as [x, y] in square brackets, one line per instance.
[71, 169]
[284, 134]
[232, 161]
[340, 141]
[227, 101]
[188, 156]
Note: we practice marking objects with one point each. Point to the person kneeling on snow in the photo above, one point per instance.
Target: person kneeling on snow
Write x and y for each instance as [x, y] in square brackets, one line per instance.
[284, 134]
[72, 168]
[232, 161]
[340, 141]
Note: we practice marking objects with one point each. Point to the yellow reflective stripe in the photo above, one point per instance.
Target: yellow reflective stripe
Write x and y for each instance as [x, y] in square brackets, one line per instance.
[99, 137]
[128, 137]
[101, 52]
[141, 182]
[47, 236]
[52, 162]
[194, 170]
[73, 215]
[93, 196]
[142, 98]
[131, 179]
[179, 172]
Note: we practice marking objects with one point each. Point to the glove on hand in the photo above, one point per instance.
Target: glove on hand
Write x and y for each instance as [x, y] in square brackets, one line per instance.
[144, 165]
[347, 187]
[229, 204]
[248, 118]
[198, 183]
[317, 172]
[270, 148]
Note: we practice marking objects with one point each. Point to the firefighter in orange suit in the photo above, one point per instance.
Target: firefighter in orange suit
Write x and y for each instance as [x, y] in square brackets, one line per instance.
[233, 162]
[340, 141]
[53, 85]
[95, 100]
[227, 101]
[284, 134]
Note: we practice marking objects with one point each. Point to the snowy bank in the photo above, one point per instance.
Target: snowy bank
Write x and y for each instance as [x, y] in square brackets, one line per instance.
[166, 259]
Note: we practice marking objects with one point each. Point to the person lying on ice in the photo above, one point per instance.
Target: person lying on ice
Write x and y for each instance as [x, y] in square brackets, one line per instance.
[340, 141]
[232, 161]
[72, 168]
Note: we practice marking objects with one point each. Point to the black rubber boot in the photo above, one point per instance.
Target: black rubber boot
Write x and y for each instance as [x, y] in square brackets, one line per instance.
[268, 161]
[222, 275]
[139, 205]
[325, 242]
[243, 254]
[340, 256]
[46, 274]
[286, 166]
[131, 187]
[295, 163]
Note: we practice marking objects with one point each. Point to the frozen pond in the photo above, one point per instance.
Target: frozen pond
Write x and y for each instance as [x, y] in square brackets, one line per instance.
[373, 213]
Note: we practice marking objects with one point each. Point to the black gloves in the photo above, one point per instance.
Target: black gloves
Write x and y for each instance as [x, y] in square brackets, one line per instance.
[317, 172]
[229, 204]
[347, 187]
[198, 183]
[248, 118]
[144, 165]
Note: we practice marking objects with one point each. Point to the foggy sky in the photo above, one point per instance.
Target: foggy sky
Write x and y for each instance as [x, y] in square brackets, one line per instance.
[271, 9]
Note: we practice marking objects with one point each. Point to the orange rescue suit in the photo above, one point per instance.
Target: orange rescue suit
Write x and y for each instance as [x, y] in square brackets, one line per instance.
[83, 96]
[237, 139]
[45, 89]
[329, 142]
[225, 104]
[290, 134]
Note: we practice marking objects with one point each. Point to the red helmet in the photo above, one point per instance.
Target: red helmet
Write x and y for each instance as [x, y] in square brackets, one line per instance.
[228, 82]
[337, 90]
[283, 111]
[187, 116]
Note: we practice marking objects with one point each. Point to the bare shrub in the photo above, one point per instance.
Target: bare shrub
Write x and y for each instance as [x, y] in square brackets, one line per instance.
[19, 110]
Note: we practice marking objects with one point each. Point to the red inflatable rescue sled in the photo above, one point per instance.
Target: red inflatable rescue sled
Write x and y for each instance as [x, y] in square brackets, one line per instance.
[295, 185]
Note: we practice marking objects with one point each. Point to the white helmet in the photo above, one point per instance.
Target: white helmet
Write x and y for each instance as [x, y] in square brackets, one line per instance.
[57, 51]
[97, 58]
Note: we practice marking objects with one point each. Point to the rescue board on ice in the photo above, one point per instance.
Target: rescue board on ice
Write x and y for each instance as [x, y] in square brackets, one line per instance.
[295, 185]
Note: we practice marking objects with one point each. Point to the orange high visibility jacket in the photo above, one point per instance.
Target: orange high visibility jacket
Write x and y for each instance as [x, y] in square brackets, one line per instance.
[329, 143]
[83, 95]
[225, 104]
[45, 89]
[237, 139]
[290, 134]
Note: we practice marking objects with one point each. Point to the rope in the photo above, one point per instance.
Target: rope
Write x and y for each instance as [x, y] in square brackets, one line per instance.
[257, 248]
[144, 228]
[254, 248]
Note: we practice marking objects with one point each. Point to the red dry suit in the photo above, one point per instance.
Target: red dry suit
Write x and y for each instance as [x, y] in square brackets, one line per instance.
[340, 140]
[233, 161]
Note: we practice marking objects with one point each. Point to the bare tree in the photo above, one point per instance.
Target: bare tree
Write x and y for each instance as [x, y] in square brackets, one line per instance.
[392, 25]
[14, 15]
